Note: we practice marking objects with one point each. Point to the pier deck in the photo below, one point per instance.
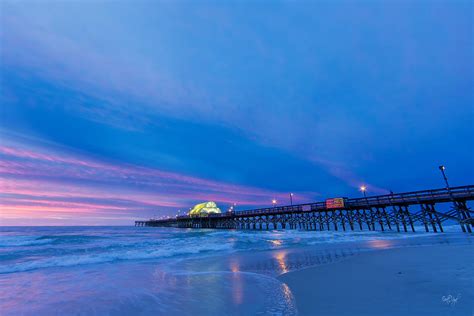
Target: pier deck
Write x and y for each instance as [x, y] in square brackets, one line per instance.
[398, 212]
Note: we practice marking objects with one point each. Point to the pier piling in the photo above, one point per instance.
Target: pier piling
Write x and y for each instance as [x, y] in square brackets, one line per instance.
[388, 211]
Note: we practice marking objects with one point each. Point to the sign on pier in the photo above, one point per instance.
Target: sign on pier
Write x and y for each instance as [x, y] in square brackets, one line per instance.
[335, 203]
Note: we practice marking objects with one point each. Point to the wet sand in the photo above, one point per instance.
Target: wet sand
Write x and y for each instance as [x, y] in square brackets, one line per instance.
[426, 280]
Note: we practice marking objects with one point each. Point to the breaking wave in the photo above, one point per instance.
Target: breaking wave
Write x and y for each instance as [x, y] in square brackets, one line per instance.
[37, 248]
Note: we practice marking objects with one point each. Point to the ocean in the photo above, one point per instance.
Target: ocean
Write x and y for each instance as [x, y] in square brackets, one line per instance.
[167, 271]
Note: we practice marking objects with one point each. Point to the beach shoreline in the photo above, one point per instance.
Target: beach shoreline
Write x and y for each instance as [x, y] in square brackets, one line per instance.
[426, 280]
[128, 270]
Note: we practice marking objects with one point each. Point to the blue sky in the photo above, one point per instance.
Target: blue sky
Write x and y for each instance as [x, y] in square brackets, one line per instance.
[112, 111]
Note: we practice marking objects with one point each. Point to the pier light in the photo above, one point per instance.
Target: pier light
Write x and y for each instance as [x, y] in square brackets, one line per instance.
[274, 202]
[291, 199]
[442, 168]
[363, 188]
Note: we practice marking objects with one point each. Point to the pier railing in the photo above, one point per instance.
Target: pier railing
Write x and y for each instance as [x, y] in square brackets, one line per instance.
[385, 209]
[415, 197]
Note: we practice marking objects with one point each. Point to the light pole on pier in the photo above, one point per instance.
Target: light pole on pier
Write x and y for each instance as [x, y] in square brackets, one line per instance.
[442, 168]
[291, 199]
[363, 188]
[232, 208]
[274, 202]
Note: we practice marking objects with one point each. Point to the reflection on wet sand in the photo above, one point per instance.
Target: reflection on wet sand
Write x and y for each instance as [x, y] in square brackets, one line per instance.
[286, 260]
[234, 267]
[237, 284]
[287, 293]
[280, 257]
[381, 244]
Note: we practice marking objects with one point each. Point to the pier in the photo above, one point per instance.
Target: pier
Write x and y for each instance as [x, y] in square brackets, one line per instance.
[396, 212]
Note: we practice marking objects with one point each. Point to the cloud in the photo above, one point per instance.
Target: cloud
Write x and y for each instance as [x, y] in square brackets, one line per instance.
[40, 182]
[134, 87]
[343, 98]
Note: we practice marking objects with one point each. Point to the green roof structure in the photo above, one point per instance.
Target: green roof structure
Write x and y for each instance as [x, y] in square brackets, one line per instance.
[204, 209]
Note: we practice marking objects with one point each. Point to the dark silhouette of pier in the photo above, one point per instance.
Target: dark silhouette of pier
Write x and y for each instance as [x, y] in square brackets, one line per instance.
[398, 212]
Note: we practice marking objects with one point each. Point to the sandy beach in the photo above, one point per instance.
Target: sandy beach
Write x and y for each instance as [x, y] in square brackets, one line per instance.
[427, 280]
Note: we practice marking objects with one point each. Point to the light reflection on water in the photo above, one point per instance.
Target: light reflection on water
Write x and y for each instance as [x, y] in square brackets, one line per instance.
[280, 257]
[234, 266]
[237, 288]
[287, 293]
[381, 244]
[276, 242]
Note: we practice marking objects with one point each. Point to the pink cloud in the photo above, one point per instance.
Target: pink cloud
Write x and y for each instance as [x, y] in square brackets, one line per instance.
[36, 182]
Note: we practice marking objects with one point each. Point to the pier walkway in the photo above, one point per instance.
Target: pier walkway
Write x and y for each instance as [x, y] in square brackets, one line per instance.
[400, 212]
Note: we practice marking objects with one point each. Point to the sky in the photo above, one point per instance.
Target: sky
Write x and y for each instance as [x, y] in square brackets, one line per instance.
[115, 111]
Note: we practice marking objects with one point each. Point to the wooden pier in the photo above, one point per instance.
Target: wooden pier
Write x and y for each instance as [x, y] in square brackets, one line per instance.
[400, 212]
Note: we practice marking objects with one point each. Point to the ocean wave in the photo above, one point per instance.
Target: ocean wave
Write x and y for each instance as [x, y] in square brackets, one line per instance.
[113, 256]
[21, 241]
[312, 237]
[14, 241]
[69, 248]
